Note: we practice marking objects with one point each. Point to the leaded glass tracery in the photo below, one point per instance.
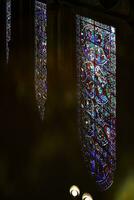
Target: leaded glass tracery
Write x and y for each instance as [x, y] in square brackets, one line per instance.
[41, 56]
[8, 28]
[96, 61]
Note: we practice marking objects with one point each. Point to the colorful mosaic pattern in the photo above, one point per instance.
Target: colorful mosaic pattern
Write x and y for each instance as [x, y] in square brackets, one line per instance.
[8, 28]
[41, 56]
[96, 61]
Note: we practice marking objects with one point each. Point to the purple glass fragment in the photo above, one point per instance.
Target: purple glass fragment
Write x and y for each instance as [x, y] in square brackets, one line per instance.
[41, 56]
[8, 28]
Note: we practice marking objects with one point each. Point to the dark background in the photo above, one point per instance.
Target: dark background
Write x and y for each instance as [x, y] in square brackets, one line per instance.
[42, 159]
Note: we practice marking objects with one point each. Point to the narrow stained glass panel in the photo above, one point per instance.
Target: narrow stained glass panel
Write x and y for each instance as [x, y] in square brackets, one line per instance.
[8, 28]
[96, 61]
[41, 56]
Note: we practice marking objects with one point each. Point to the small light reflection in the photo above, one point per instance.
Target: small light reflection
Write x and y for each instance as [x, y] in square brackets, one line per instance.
[74, 191]
[87, 196]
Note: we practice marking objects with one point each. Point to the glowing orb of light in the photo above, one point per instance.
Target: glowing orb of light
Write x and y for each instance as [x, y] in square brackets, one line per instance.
[87, 196]
[74, 191]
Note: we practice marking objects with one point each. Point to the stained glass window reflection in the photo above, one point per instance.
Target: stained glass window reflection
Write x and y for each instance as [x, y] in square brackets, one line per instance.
[41, 56]
[96, 61]
[8, 28]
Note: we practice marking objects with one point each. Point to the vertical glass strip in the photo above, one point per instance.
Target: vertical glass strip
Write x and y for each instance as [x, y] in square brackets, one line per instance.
[8, 28]
[96, 62]
[41, 56]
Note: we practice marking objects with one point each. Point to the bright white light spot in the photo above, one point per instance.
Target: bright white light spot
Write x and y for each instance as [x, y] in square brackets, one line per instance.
[74, 191]
[87, 196]
[112, 29]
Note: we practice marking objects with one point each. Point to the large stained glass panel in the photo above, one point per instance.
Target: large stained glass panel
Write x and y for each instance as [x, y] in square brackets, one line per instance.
[96, 61]
[8, 28]
[41, 56]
